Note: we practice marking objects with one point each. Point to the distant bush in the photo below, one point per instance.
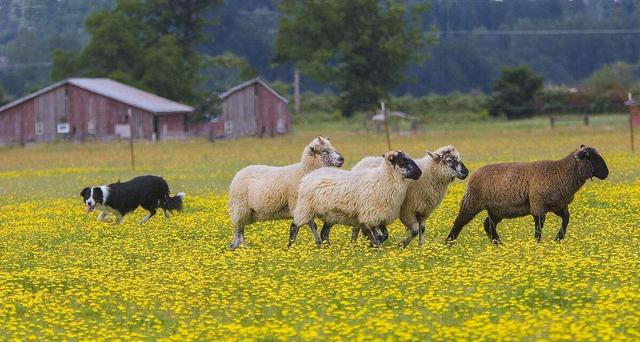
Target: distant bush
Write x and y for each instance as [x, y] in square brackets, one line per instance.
[455, 107]
[513, 94]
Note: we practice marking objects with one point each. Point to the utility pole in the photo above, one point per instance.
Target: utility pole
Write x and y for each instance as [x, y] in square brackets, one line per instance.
[296, 90]
[386, 125]
[133, 165]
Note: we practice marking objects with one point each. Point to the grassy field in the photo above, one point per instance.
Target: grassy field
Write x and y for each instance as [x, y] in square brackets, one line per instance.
[65, 275]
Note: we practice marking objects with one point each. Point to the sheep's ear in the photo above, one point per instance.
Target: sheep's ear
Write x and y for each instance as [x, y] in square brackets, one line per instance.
[320, 140]
[390, 156]
[434, 156]
[582, 146]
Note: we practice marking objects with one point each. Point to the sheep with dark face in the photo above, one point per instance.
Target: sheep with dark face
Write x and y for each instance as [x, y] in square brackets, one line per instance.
[509, 190]
[365, 199]
[439, 169]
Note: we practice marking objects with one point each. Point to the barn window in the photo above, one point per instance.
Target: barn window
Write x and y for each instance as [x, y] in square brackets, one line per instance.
[228, 127]
[39, 128]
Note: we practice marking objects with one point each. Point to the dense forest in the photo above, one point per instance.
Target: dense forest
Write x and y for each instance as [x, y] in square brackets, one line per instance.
[473, 40]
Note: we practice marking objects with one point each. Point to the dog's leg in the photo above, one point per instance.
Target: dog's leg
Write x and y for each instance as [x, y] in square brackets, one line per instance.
[146, 218]
[119, 219]
[166, 213]
[102, 216]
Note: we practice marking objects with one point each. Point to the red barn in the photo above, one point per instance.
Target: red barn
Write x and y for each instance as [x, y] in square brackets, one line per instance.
[252, 108]
[91, 108]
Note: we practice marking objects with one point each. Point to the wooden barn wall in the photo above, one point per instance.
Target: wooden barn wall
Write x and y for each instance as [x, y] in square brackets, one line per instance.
[17, 124]
[271, 112]
[106, 113]
[172, 125]
[50, 110]
[239, 113]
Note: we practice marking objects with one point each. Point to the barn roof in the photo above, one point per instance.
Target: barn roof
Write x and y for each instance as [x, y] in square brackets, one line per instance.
[250, 82]
[116, 91]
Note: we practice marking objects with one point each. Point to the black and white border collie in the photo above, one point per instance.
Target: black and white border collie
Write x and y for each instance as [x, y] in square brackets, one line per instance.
[120, 199]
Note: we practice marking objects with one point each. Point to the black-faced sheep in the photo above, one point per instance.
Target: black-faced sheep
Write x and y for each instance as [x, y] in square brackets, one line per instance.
[364, 199]
[439, 169]
[260, 192]
[511, 190]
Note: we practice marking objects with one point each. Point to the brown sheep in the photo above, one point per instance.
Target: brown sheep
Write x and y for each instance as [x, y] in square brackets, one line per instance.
[509, 190]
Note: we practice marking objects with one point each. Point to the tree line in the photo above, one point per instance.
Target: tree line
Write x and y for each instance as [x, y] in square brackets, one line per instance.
[363, 50]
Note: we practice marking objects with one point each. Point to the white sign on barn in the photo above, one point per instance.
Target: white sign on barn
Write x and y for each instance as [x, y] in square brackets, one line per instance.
[122, 131]
[63, 128]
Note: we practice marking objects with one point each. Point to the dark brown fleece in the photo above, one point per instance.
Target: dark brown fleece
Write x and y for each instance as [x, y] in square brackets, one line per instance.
[510, 190]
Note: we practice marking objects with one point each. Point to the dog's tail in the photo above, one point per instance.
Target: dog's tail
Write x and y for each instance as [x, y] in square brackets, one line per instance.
[175, 202]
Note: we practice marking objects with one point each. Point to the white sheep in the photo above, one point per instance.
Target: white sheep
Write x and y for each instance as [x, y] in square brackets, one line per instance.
[364, 198]
[439, 169]
[260, 192]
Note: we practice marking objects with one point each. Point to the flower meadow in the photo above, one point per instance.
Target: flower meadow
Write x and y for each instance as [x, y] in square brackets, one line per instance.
[66, 276]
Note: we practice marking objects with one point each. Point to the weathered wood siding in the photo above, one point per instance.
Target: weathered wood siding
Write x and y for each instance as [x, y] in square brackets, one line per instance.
[17, 124]
[104, 114]
[253, 110]
[273, 114]
[239, 113]
[82, 109]
[172, 125]
[50, 110]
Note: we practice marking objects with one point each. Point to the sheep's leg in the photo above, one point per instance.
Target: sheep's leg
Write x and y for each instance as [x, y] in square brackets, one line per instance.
[539, 221]
[372, 237]
[564, 214]
[490, 224]
[324, 233]
[464, 216]
[421, 234]
[293, 234]
[383, 233]
[355, 231]
[238, 237]
[413, 231]
[314, 230]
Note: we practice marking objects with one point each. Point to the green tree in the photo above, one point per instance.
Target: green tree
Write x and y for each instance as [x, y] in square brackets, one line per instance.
[514, 92]
[361, 47]
[149, 44]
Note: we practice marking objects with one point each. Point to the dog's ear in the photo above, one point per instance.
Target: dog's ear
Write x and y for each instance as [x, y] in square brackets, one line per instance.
[85, 192]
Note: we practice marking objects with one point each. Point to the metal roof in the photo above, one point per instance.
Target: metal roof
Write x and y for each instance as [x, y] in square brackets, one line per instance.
[116, 91]
[250, 82]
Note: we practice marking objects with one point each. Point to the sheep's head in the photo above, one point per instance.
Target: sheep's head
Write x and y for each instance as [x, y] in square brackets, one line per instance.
[451, 161]
[588, 154]
[321, 147]
[403, 163]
